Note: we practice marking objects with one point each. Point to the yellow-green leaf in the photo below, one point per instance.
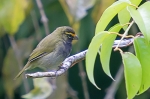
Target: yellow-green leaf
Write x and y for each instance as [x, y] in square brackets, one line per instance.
[133, 74]
[109, 14]
[91, 54]
[107, 47]
[124, 12]
[142, 18]
[144, 12]
[12, 14]
[142, 50]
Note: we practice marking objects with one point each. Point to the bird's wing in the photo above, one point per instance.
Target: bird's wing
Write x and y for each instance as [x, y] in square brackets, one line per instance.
[46, 46]
[36, 55]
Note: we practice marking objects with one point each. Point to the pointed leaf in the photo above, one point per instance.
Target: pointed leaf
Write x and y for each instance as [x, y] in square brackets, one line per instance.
[142, 21]
[124, 12]
[144, 12]
[133, 73]
[142, 50]
[109, 14]
[99, 8]
[107, 47]
[122, 19]
[91, 54]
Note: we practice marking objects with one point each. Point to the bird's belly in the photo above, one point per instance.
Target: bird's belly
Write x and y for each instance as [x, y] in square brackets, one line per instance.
[51, 61]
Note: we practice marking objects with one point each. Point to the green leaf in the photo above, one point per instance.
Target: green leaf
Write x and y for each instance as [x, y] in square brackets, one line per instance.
[144, 12]
[122, 19]
[107, 47]
[42, 89]
[142, 21]
[91, 54]
[109, 14]
[142, 50]
[124, 12]
[12, 14]
[133, 73]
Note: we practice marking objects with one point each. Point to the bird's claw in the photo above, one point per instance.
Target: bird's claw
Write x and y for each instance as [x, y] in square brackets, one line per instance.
[64, 68]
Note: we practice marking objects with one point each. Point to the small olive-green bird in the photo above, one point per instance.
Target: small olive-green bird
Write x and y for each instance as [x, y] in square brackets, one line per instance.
[52, 50]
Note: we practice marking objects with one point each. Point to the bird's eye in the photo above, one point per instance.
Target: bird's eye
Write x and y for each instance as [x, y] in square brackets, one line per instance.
[69, 36]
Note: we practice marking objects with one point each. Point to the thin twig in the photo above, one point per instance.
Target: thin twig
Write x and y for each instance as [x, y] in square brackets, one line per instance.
[20, 63]
[125, 33]
[72, 60]
[68, 62]
[111, 91]
[129, 36]
[35, 24]
[83, 76]
[83, 80]
[43, 15]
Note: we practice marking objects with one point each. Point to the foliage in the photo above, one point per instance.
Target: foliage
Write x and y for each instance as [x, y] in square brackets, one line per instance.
[135, 67]
[10, 20]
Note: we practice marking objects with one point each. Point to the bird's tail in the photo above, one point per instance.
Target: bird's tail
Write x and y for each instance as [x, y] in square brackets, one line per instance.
[24, 68]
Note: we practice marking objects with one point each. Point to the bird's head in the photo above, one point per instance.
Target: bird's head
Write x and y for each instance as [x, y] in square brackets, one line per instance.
[67, 33]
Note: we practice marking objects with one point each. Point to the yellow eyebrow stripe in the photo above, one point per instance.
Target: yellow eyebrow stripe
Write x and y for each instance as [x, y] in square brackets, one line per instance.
[72, 34]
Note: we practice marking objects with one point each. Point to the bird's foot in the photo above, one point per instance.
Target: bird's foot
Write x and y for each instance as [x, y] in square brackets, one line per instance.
[61, 67]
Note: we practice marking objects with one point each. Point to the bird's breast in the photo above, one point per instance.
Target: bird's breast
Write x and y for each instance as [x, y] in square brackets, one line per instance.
[64, 49]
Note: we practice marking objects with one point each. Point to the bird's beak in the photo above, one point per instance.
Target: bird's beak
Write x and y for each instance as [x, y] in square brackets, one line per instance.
[75, 37]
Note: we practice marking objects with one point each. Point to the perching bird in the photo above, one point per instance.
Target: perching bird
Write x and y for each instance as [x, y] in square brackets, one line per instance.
[52, 50]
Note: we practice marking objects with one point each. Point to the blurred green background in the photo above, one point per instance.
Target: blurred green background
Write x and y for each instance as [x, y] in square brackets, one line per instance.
[22, 26]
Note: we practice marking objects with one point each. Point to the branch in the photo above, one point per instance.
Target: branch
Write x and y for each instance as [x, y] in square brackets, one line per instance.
[19, 61]
[72, 60]
[83, 80]
[44, 18]
[35, 24]
[111, 91]
[68, 62]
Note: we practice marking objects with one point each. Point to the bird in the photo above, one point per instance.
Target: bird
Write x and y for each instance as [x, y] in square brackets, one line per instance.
[51, 50]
